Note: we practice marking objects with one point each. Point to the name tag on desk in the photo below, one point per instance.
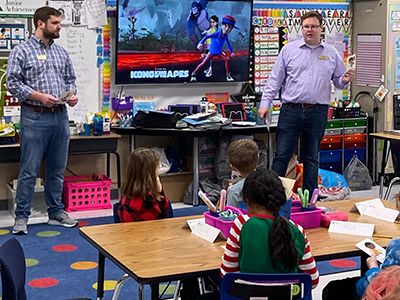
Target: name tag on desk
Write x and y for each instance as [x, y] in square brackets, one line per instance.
[41, 56]
[323, 57]
[352, 228]
[203, 230]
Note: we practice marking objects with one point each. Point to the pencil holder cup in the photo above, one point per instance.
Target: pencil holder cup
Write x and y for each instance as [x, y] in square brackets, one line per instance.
[307, 217]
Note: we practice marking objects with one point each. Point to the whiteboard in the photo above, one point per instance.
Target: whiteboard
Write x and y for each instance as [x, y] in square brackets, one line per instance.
[80, 43]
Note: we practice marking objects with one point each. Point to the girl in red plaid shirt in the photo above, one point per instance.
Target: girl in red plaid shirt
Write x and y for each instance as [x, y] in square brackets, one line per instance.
[142, 193]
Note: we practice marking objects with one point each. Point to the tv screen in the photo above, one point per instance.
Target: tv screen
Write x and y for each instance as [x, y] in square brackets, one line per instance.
[171, 41]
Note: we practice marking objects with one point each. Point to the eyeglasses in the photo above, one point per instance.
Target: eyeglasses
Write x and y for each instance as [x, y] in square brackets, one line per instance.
[312, 27]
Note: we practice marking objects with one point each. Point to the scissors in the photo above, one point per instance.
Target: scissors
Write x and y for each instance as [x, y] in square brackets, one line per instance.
[304, 197]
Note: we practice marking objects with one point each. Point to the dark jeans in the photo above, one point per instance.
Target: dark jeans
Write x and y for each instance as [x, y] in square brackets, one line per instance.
[308, 124]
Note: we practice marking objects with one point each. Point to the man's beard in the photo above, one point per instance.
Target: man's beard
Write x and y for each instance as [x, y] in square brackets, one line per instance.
[51, 35]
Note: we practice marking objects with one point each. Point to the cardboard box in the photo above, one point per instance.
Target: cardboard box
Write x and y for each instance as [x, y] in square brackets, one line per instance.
[175, 185]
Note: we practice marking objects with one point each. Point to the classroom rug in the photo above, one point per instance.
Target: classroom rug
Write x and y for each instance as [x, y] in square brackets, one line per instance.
[62, 265]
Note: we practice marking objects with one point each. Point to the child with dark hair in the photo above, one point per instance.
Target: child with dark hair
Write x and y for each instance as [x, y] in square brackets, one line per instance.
[143, 197]
[262, 241]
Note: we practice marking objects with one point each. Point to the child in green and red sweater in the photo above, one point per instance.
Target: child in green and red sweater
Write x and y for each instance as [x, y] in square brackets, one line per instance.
[262, 241]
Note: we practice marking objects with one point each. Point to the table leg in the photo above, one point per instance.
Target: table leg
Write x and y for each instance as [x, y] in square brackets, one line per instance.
[140, 292]
[154, 291]
[195, 197]
[385, 155]
[100, 277]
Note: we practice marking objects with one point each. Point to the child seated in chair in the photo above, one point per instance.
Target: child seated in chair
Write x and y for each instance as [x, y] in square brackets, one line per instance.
[243, 158]
[262, 241]
[392, 259]
[142, 195]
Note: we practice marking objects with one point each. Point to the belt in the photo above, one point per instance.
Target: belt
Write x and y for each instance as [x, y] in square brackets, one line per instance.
[44, 109]
[303, 105]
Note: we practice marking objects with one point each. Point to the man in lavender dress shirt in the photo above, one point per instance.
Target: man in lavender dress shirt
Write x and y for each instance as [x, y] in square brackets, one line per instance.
[303, 72]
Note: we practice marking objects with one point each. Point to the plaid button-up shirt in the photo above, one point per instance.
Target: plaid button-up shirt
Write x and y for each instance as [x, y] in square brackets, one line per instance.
[33, 66]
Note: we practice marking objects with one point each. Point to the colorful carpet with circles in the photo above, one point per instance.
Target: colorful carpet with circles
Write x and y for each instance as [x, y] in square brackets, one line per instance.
[62, 265]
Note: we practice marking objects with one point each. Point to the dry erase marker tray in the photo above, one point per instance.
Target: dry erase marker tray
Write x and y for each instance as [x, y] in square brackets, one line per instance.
[216, 221]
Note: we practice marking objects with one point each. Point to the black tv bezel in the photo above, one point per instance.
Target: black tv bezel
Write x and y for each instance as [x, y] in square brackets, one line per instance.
[188, 82]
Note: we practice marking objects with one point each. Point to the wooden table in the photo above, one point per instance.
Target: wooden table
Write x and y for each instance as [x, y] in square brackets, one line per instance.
[157, 251]
[386, 137]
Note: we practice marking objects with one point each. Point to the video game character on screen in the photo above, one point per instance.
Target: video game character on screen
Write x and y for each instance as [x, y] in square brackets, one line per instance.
[218, 40]
[158, 43]
[198, 18]
[213, 28]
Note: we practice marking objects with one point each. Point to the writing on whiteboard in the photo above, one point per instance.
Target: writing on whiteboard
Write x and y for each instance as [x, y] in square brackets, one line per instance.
[80, 43]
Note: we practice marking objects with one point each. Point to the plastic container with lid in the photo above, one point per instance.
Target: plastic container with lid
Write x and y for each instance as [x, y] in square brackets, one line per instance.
[97, 124]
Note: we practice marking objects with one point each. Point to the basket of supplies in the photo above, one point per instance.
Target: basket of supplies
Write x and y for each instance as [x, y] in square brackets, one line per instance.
[86, 192]
[218, 221]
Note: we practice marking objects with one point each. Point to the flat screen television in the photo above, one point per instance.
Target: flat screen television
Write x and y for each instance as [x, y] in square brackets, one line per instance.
[163, 41]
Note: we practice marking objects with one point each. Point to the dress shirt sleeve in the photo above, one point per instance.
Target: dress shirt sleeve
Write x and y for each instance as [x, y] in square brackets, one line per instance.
[307, 263]
[15, 75]
[70, 77]
[340, 69]
[275, 80]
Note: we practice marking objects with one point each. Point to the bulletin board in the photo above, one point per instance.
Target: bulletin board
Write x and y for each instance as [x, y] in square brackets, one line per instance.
[277, 23]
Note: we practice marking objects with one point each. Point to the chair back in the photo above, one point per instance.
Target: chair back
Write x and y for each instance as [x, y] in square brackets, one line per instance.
[13, 270]
[237, 286]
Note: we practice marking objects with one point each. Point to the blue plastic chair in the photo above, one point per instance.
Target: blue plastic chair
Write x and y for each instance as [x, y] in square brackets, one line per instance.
[278, 288]
[13, 269]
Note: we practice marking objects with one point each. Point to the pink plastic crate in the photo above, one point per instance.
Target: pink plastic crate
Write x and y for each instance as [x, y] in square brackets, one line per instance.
[217, 222]
[307, 218]
[82, 193]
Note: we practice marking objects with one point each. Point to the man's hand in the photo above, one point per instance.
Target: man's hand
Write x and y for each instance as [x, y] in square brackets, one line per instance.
[372, 262]
[47, 100]
[263, 112]
[348, 76]
[73, 100]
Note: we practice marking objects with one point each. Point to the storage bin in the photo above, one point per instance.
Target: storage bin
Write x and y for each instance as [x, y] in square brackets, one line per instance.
[351, 130]
[345, 112]
[348, 154]
[330, 156]
[84, 193]
[333, 131]
[334, 167]
[331, 142]
[355, 123]
[355, 141]
[334, 124]
[217, 222]
[307, 218]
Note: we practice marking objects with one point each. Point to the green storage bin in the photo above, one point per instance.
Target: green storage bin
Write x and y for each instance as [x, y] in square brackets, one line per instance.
[355, 123]
[334, 124]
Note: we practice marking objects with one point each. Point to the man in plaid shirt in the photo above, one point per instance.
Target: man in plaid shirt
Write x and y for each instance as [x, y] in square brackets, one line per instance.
[40, 74]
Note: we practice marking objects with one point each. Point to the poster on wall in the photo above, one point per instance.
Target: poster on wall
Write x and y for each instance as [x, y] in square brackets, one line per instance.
[278, 23]
[20, 7]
